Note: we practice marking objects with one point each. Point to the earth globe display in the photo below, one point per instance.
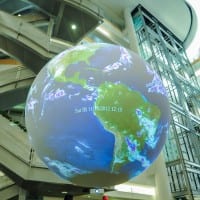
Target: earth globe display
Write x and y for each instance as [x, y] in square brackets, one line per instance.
[97, 115]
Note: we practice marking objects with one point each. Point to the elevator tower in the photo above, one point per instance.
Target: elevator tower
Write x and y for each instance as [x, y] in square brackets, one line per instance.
[166, 54]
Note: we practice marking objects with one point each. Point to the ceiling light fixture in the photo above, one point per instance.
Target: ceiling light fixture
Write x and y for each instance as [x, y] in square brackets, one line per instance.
[1, 173]
[103, 31]
[64, 192]
[73, 27]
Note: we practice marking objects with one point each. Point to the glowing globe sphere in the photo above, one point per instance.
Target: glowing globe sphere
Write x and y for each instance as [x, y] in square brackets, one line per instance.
[97, 115]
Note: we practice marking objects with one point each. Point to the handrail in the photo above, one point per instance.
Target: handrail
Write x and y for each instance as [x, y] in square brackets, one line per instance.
[17, 81]
[26, 33]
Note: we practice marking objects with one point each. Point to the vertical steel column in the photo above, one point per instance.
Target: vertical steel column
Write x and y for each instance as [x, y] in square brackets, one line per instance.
[22, 194]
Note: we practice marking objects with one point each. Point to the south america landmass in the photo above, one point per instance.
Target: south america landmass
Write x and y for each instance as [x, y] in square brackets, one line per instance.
[131, 127]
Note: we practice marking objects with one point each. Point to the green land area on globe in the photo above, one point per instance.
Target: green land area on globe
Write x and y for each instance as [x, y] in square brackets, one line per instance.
[91, 114]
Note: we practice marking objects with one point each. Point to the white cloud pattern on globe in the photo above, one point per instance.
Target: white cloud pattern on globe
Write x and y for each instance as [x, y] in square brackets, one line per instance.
[97, 115]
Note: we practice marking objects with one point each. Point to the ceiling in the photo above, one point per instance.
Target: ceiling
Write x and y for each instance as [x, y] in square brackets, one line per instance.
[176, 15]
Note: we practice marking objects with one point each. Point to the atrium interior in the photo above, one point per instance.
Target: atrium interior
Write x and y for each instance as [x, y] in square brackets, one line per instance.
[165, 34]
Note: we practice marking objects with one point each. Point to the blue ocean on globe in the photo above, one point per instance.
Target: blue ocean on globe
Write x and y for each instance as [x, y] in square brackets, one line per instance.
[97, 115]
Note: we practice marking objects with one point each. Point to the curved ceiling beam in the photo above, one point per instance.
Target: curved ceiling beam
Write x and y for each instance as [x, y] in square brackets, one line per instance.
[26, 43]
[24, 54]
[29, 58]
[30, 46]
[193, 48]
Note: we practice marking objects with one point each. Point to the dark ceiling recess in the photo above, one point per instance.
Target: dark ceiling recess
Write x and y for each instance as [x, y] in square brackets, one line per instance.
[67, 16]
[73, 16]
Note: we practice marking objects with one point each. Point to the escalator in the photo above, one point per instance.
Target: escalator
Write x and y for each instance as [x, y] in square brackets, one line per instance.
[8, 188]
[15, 81]
[20, 163]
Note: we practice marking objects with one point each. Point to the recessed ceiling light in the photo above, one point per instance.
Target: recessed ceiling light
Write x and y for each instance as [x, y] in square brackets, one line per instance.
[64, 192]
[1, 173]
[73, 27]
[12, 124]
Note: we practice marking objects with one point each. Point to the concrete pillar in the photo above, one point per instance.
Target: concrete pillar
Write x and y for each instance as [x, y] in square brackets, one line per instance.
[161, 180]
[130, 31]
[52, 198]
[22, 194]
